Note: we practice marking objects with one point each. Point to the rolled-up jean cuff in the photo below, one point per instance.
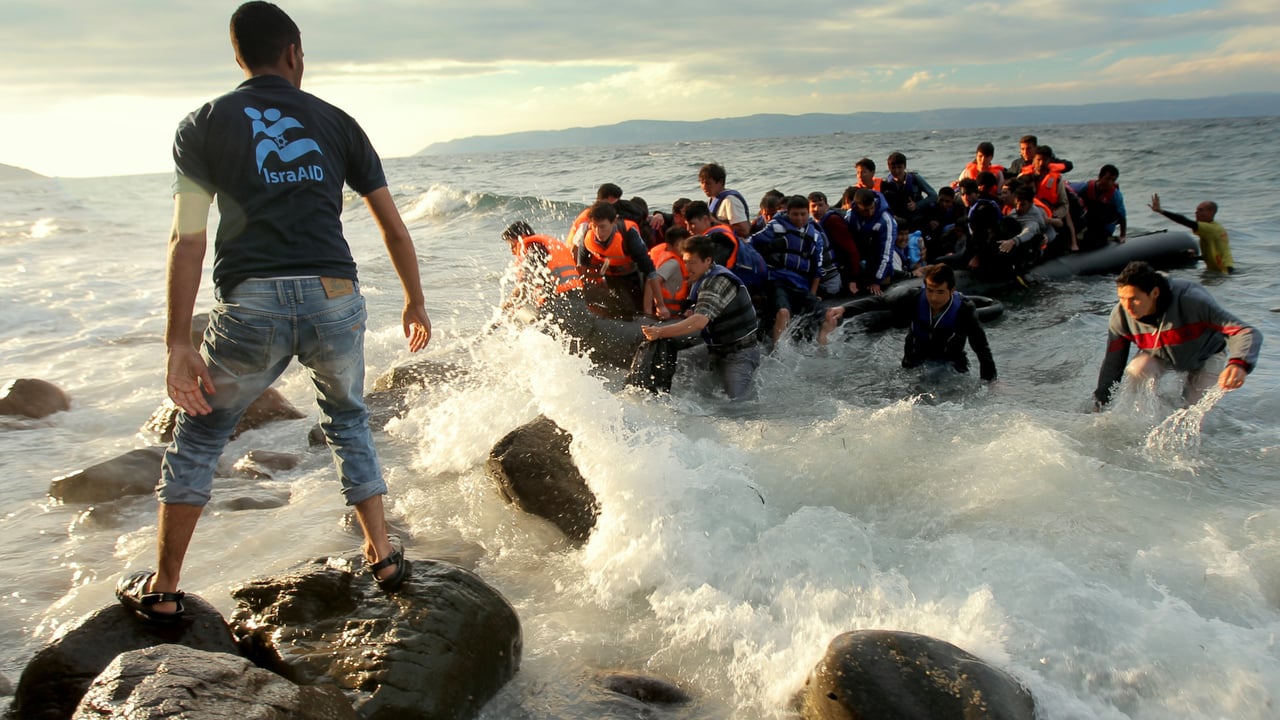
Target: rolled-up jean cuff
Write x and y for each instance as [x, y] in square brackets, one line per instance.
[357, 494]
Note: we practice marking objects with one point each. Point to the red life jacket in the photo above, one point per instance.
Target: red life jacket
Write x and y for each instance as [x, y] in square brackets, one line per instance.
[727, 232]
[1050, 188]
[613, 253]
[971, 170]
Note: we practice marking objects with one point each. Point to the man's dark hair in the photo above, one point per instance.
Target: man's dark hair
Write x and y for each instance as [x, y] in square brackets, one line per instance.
[897, 158]
[608, 191]
[1046, 151]
[770, 202]
[987, 149]
[695, 210]
[674, 235]
[986, 179]
[517, 230]
[701, 246]
[1108, 170]
[1028, 139]
[817, 196]
[864, 197]
[603, 211]
[713, 172]
[1144, 277]
[260, 32]
[969, 185]
[796, 202]
[677, 207]
[867, 163]
[1022, 191]
[948, 191]
[940, 273]
[846, 198]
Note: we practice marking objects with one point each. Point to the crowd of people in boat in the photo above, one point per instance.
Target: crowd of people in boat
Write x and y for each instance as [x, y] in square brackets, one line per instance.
[753, 275]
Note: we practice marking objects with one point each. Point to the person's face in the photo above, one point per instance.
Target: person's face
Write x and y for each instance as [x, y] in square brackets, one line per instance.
[1027, 150]
[865, 175]
[938, 295]
[1136, 303]
[982, 159]
[946, 201]
[700, 226]
[1023, 206]
[1204, 212]
[709, 187]
[898, 170]
[1041, 164]
[677, 219]
[1006, 197]
[603, 229]
[864, 211]
[697, 266]
[969, 197]
[818, 208]
[1106, 182]
[798, 216]
[904, 238]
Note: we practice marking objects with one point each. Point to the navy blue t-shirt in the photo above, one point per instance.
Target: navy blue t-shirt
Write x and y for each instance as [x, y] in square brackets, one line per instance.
[276, 159]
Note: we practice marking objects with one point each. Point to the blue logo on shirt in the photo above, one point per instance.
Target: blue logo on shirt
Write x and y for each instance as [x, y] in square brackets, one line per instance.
[286, 150]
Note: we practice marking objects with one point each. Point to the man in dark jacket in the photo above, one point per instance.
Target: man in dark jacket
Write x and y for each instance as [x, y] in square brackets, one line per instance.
[1177, 325]
[941, 320]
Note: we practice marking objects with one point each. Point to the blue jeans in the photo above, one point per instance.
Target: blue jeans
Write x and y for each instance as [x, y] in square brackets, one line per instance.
[252, 336]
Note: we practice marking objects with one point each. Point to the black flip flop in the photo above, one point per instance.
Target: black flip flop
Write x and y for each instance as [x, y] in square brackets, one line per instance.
[392, 582]
[131, 591]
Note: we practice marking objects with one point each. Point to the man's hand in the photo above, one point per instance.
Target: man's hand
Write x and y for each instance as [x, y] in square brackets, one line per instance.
[973, 263]
[1155, 202]
[1008, 246]
[652, 332]
[1232, 377]
[1120, 240]
[187, 379]
[876, 289]
[417, 326]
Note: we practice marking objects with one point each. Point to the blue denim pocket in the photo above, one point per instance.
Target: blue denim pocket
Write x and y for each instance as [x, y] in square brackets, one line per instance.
[339, 337]
[239, 345]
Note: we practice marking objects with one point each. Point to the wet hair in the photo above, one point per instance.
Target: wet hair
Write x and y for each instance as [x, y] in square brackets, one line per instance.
[940, 273]
[701, 246]
[867, 163]
[677, 207]
[946, 191]
[603, 211]
[896, 158]
[987, 149]
[713, 172]
[695, 210]
[1108, 169]
[1028, 139]
[1144, 277]
[796, 202]
[608, 191]
[517, 230]
[260, 32]
[818, 196]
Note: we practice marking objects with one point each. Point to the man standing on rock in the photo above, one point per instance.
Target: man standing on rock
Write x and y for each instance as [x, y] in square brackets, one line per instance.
[276, 159]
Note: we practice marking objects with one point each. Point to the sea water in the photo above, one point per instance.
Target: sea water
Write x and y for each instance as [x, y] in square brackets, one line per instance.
[1122, 564]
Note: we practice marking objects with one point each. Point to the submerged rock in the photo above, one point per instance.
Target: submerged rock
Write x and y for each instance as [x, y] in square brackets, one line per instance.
[440, 647]
[136, 472]
[57, 677]
[535, 471]
[893, 675]
[268, 407]
[168, 681]
[420, 373]
[33, 398]
[645, 688]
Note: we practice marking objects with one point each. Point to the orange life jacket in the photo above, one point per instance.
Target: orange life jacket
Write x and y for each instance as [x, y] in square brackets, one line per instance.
[563, 270]
[875, 185]
[1049, 189]
[1028, 168]
[727, 232]
[674, 301]
[578, 222]
[971, 170]
[612, 254]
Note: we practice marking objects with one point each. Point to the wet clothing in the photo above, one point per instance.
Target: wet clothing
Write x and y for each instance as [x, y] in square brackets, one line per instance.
[1103, 212]
[1215, 248]
[912, 188]
[934, 337]
[275, 159]
[1187, 328]
[840, 242]
[544, 268]
[875, 237]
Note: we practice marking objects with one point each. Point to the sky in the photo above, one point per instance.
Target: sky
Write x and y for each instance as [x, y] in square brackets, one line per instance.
[89, 88]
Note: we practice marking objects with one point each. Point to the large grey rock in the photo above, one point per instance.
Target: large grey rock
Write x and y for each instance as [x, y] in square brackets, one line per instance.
[136, 472]
[421, 373]
[268, 407]
[33, 398]
[168, 681]
[440, 647]
[535, 471]
[58, 676]
[891, 675]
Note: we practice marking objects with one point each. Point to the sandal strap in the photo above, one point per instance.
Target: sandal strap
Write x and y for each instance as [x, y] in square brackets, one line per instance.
[389, 561]
[153, 598]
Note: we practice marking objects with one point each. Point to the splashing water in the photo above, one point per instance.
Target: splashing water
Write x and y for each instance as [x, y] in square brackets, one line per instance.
[1179, 434]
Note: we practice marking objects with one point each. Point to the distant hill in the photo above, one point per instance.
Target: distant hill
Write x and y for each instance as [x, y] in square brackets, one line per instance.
[634, 132]
[9, 172]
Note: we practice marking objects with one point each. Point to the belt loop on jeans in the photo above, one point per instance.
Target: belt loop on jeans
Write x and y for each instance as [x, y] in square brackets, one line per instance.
[298, 293]
[279, 292]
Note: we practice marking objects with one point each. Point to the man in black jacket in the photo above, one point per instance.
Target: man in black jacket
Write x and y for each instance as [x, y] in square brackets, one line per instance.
[941, 320]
